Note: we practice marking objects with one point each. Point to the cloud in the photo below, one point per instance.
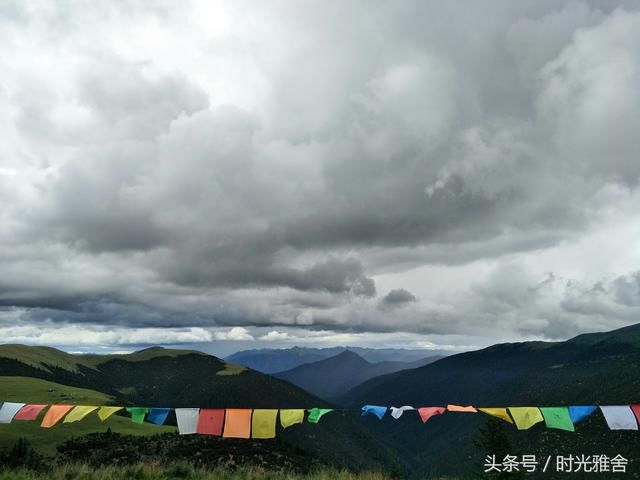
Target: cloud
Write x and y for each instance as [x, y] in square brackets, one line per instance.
[274, 335]
[245, 167]
[398, 296]
[236, 334]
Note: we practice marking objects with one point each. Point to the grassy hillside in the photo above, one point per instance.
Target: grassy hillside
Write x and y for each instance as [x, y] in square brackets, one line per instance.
[33, 390]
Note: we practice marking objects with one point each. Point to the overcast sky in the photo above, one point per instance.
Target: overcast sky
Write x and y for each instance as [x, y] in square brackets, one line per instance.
[239, 174]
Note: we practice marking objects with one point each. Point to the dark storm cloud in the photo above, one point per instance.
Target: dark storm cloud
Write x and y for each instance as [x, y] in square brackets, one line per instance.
[158, 169]
[399, 296]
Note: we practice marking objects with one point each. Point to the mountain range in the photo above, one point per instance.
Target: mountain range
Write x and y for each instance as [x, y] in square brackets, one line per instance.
[592, 369]
[173, 378]
[334, 376]
[275, 360]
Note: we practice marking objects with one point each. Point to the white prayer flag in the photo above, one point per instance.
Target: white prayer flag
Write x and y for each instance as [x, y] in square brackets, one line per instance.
[187, 420]
[396, 412]
[9, 410]
[620, 417]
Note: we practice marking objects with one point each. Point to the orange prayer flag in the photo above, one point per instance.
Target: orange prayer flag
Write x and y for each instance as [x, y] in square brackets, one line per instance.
[458, 408]
[54, 415]
[237, 423]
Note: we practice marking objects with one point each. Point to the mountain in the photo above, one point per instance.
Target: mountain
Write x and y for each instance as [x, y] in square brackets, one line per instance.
[334, 376]
[602, 368]
[273, 360]
[179, 378]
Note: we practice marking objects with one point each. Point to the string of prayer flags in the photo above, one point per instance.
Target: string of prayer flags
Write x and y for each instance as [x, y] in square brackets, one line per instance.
[78, 413]
[315, 414]
[137, 414]
[263, 423]
[29, 412]
[497, 412]
[458, 408]
[526, 417]
[376, 410]
[54, 415]
[579, 413]
[158, 415]
[237, 423]
[9, 410]
[396, 412]
[619, 417]
[210, 421]
[291, 417]
[106, 412]
[187, 419]
[557, 417]
[427, 412]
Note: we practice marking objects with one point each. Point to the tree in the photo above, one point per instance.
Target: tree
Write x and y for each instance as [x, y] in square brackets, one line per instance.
[492, 440]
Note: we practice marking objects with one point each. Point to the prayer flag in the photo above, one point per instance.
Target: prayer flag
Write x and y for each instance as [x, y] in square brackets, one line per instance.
[376, 410]
[427, 412]
[54, 415]
[187, 420]
[210, 421]
[9, 410]
[497, 412]
[557, 417]
[396, 412]
[263, 423]
[634, 408]
[137, 414]
[315, 414]
[106, 412]
[579, 413]
[237, 423]
[78, 413]
[291, 417]
[29, 412]
[526, 417]
[458, 408]
[619, 417]
[158, 415]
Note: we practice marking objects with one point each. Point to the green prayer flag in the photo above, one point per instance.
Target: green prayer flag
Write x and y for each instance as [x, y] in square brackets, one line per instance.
[557, 417]
[137, 414]
[316, 413]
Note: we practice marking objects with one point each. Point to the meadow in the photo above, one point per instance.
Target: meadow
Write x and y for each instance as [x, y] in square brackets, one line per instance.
[178, 471]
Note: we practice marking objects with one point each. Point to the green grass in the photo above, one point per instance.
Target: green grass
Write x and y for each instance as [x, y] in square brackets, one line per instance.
[33, 390]
[231, 369]
[40, 357]
[178, 471]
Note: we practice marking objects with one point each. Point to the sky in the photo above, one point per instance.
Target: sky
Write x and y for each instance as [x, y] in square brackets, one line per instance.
[232, 175]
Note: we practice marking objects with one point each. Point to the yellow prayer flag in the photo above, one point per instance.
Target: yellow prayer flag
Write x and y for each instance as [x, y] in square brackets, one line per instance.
[263, 423]
[291, 417]
[106, 412]
[78, 413]
[526, 417]
[497, 412]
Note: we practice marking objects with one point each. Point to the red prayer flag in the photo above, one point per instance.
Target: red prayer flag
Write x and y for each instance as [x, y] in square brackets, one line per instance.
[427, 412]
[29, 412]
[210, 421]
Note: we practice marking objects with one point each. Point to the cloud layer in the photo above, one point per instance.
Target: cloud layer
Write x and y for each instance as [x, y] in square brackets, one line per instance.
[212, 169]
